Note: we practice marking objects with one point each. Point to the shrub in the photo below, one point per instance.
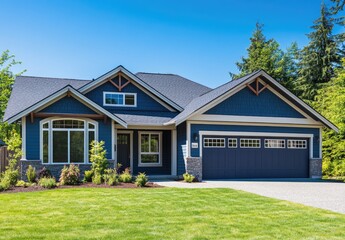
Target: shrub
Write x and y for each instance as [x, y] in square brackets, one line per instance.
[188, 177]
[126, 176]
[5, 183]
[141, 180]
[97, 179]
[97, 157]
[44, 173]
[70, 175]
[47, 182]
[31, 174]
[21, 183]
[88, 174]
[110, 177]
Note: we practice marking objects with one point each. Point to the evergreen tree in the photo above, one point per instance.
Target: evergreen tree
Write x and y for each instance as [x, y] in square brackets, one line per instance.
[319, 58]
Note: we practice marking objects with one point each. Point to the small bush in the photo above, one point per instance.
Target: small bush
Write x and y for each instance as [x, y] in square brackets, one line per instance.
[111, 177]
[21, 183]
[98, 157]
[31, 174]
[188, 177]
[5, 183]
[11, 175]
[44, 173]
[97, 179]
[47, 182]
[141, 180]
[70, 175]
[88, 174]
[126, 176]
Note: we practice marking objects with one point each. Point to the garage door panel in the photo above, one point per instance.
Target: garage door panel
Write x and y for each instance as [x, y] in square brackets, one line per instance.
[262, 162]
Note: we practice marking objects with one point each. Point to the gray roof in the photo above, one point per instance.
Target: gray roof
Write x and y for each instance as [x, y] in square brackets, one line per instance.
[30, 90]
[132, 119]
[206, 98]
[179, 89]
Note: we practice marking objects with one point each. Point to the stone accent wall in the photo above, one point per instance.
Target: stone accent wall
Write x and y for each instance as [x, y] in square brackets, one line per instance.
[315, 168]
[54, 169]
[194, 167]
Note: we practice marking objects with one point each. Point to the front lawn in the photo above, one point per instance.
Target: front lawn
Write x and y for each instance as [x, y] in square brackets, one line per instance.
[160, 213]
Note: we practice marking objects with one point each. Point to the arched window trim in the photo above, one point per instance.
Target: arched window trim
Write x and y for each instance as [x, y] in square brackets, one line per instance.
[50, 129]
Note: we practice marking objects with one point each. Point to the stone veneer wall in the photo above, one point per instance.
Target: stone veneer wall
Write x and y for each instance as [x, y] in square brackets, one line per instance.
[194, 166]
[315, 168]
[54, 168]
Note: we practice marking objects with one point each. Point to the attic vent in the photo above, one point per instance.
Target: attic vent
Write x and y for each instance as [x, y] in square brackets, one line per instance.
[259, 87]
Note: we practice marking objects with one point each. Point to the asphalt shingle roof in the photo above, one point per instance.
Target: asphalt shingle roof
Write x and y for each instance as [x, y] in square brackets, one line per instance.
[179, 89]
[30, 90]
[132, 119]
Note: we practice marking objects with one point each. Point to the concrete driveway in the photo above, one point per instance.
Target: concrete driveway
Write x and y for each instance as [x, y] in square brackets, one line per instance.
[316, 193]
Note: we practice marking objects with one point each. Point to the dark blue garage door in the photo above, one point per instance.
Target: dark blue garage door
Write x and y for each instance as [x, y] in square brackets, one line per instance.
[255, 157]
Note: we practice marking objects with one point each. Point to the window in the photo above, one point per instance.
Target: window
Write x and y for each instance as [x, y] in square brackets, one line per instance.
[274, 143]
[232, 143]
[150, 148]
[66, 140]
[119, 99]
[250, 143]
[297, 144]
[214, 142]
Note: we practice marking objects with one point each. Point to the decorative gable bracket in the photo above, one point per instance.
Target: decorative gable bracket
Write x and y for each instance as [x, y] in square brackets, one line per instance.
[257, 89]
[121, 85]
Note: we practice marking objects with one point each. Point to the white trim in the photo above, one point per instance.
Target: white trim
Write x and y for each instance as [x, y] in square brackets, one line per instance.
[130, 147]
[23, 138]
[188, 141]
[277, 146]
[124, 99]
[62, 93]
[258, 134]
[304, 143]
[173, 152]
[231, 139]
[98, 81]
[245, 140]
[251, 119]
[50, 130]
[214, 138]
[160, 147]
[147, 127]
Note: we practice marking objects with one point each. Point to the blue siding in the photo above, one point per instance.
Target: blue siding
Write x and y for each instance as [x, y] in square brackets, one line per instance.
[145, 103]
[165, 169]
[246, 103]
[195, 128]
[181, 142]
[68, 105]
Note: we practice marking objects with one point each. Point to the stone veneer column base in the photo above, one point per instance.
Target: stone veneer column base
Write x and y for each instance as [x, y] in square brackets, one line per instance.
[55, 169]
[194, 167]
[315, 168]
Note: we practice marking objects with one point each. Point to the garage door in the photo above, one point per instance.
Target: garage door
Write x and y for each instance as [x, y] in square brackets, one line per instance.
[255, 157]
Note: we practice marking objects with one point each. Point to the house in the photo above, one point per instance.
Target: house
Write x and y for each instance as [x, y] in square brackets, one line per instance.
[166, 125]
[2, 143]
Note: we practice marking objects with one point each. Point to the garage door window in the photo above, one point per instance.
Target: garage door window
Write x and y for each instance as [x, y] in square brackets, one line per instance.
[232, 143]
[250, 143]
[214, 142]
[297, 144]
[274, 143]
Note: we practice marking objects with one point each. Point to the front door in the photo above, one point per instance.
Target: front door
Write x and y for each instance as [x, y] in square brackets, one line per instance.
[123, 150]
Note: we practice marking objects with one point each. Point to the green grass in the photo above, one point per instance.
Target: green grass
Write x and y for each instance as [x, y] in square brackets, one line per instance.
[160, 213]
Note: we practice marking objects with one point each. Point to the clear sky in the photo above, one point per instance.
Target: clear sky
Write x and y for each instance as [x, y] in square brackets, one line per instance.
[200, 40]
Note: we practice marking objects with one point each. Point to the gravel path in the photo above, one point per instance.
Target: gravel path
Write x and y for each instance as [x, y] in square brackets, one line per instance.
[320, 194]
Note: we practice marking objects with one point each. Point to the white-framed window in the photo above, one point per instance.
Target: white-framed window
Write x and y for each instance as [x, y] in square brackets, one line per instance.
[150, 148]
[232, 142]
[66, 141]
[214, 142]
[250, 143]
[274, 143]
[119, 99]
[297, 144]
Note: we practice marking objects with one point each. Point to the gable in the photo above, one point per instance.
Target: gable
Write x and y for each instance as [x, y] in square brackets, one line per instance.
[68, 105]
[247, 103]
[145, 102]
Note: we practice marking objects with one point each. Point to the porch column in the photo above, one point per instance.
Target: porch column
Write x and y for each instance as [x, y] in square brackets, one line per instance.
[173, 152]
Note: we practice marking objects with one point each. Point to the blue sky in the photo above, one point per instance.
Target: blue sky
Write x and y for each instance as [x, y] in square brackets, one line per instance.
[200, 40]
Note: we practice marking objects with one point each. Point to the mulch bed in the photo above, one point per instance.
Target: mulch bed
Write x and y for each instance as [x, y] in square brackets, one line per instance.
[82, 185]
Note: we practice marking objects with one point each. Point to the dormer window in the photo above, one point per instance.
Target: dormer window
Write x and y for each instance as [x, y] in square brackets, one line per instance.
[117, 99]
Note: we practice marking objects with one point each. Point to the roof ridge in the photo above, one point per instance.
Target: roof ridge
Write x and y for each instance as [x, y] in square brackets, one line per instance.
[56, 78]
[158, 73]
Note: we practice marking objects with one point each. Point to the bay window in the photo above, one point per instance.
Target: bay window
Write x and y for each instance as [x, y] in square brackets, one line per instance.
[150, 145]
[66, 140]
